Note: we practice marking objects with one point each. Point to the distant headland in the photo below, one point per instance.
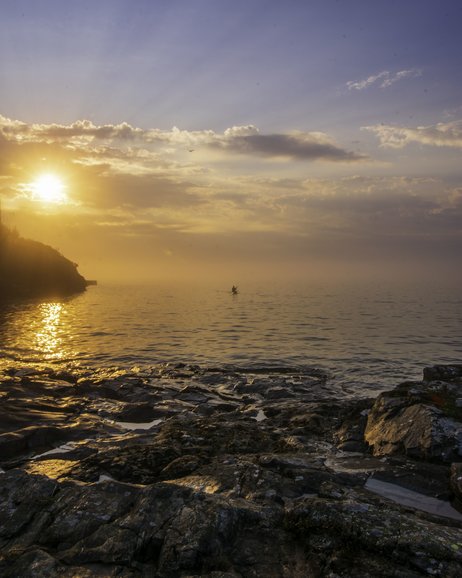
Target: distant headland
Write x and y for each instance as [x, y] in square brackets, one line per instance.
[29, 269]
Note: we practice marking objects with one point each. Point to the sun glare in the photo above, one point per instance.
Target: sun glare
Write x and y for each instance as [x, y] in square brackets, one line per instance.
[49, 188]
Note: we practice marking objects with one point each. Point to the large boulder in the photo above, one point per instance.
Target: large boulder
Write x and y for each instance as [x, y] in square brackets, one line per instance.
[416, 430]
[421, 420]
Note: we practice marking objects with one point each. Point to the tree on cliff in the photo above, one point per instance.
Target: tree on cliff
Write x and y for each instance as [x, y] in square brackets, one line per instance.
[32, 269]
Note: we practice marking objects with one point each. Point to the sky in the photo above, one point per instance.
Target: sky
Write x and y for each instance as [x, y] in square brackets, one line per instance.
[228, 140]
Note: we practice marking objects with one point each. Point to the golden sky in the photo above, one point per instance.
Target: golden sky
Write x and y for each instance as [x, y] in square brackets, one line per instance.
[317, 140]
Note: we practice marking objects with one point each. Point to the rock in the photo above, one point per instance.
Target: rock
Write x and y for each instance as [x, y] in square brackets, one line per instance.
[418, 421]
[179, 467]
[443, 373]
[456, 483]
[349, 525]
[32, 563]
[352, 446]
[12, 444]
[350, 436]
[213, 490]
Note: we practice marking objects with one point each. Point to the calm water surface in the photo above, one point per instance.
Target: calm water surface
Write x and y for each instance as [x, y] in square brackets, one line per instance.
[367, 339]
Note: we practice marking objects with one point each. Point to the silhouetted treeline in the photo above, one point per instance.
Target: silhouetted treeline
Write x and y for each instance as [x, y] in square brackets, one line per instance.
[32, 269]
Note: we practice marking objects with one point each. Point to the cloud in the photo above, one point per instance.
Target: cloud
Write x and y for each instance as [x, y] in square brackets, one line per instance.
[295, 146]
[242, 140]
[145, 186]
[122, 131]
[241, 131]
[23, 132]
[150, 174]
[383, 79]
[440, 135]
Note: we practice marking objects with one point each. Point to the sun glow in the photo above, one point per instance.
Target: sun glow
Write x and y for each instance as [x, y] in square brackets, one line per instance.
[49, 188]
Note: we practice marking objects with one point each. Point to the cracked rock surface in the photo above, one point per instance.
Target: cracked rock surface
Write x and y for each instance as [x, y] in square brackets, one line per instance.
[182, 471]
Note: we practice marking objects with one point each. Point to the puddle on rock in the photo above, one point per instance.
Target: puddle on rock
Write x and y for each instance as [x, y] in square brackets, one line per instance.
[135, 426]
[104, 478]
[260, 416]
[65, 448]
[413, 499]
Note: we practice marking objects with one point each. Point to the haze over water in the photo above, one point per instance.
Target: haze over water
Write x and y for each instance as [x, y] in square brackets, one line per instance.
[367, 338]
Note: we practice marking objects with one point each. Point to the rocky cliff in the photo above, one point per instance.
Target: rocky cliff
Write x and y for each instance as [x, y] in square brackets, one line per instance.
[30, 269]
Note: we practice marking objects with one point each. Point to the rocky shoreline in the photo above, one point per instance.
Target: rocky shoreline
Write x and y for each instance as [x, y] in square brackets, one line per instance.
[180, 470]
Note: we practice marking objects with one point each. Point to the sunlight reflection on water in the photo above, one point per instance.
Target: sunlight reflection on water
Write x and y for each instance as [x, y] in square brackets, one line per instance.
[48, 337]
[364, 340]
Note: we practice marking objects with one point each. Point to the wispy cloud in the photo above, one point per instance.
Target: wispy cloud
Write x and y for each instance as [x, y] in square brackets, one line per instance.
[442, 135]
[383, 79]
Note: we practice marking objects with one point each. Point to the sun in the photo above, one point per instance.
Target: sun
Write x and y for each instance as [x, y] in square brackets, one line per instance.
[49, 188]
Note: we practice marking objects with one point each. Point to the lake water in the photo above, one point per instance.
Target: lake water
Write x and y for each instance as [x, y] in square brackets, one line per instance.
[367, 339]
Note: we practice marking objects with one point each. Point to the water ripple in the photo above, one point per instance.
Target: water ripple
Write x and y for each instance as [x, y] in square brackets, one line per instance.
[364, 340]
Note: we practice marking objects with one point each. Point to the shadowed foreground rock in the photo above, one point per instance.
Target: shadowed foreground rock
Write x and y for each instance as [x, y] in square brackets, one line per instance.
[183, 471]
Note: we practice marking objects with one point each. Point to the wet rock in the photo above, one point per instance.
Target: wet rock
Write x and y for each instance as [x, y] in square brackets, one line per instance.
[431, 479]
[416, 420]
[446, 373]
[456, 483]
[138, 412]
[30, 439]
[179, 444]
[350, 436]
[245, 475]
[278, 393]
[34, 562]
[12, 444]
[352, 446]
[345, 525]
[22, 499]
[179, 467]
